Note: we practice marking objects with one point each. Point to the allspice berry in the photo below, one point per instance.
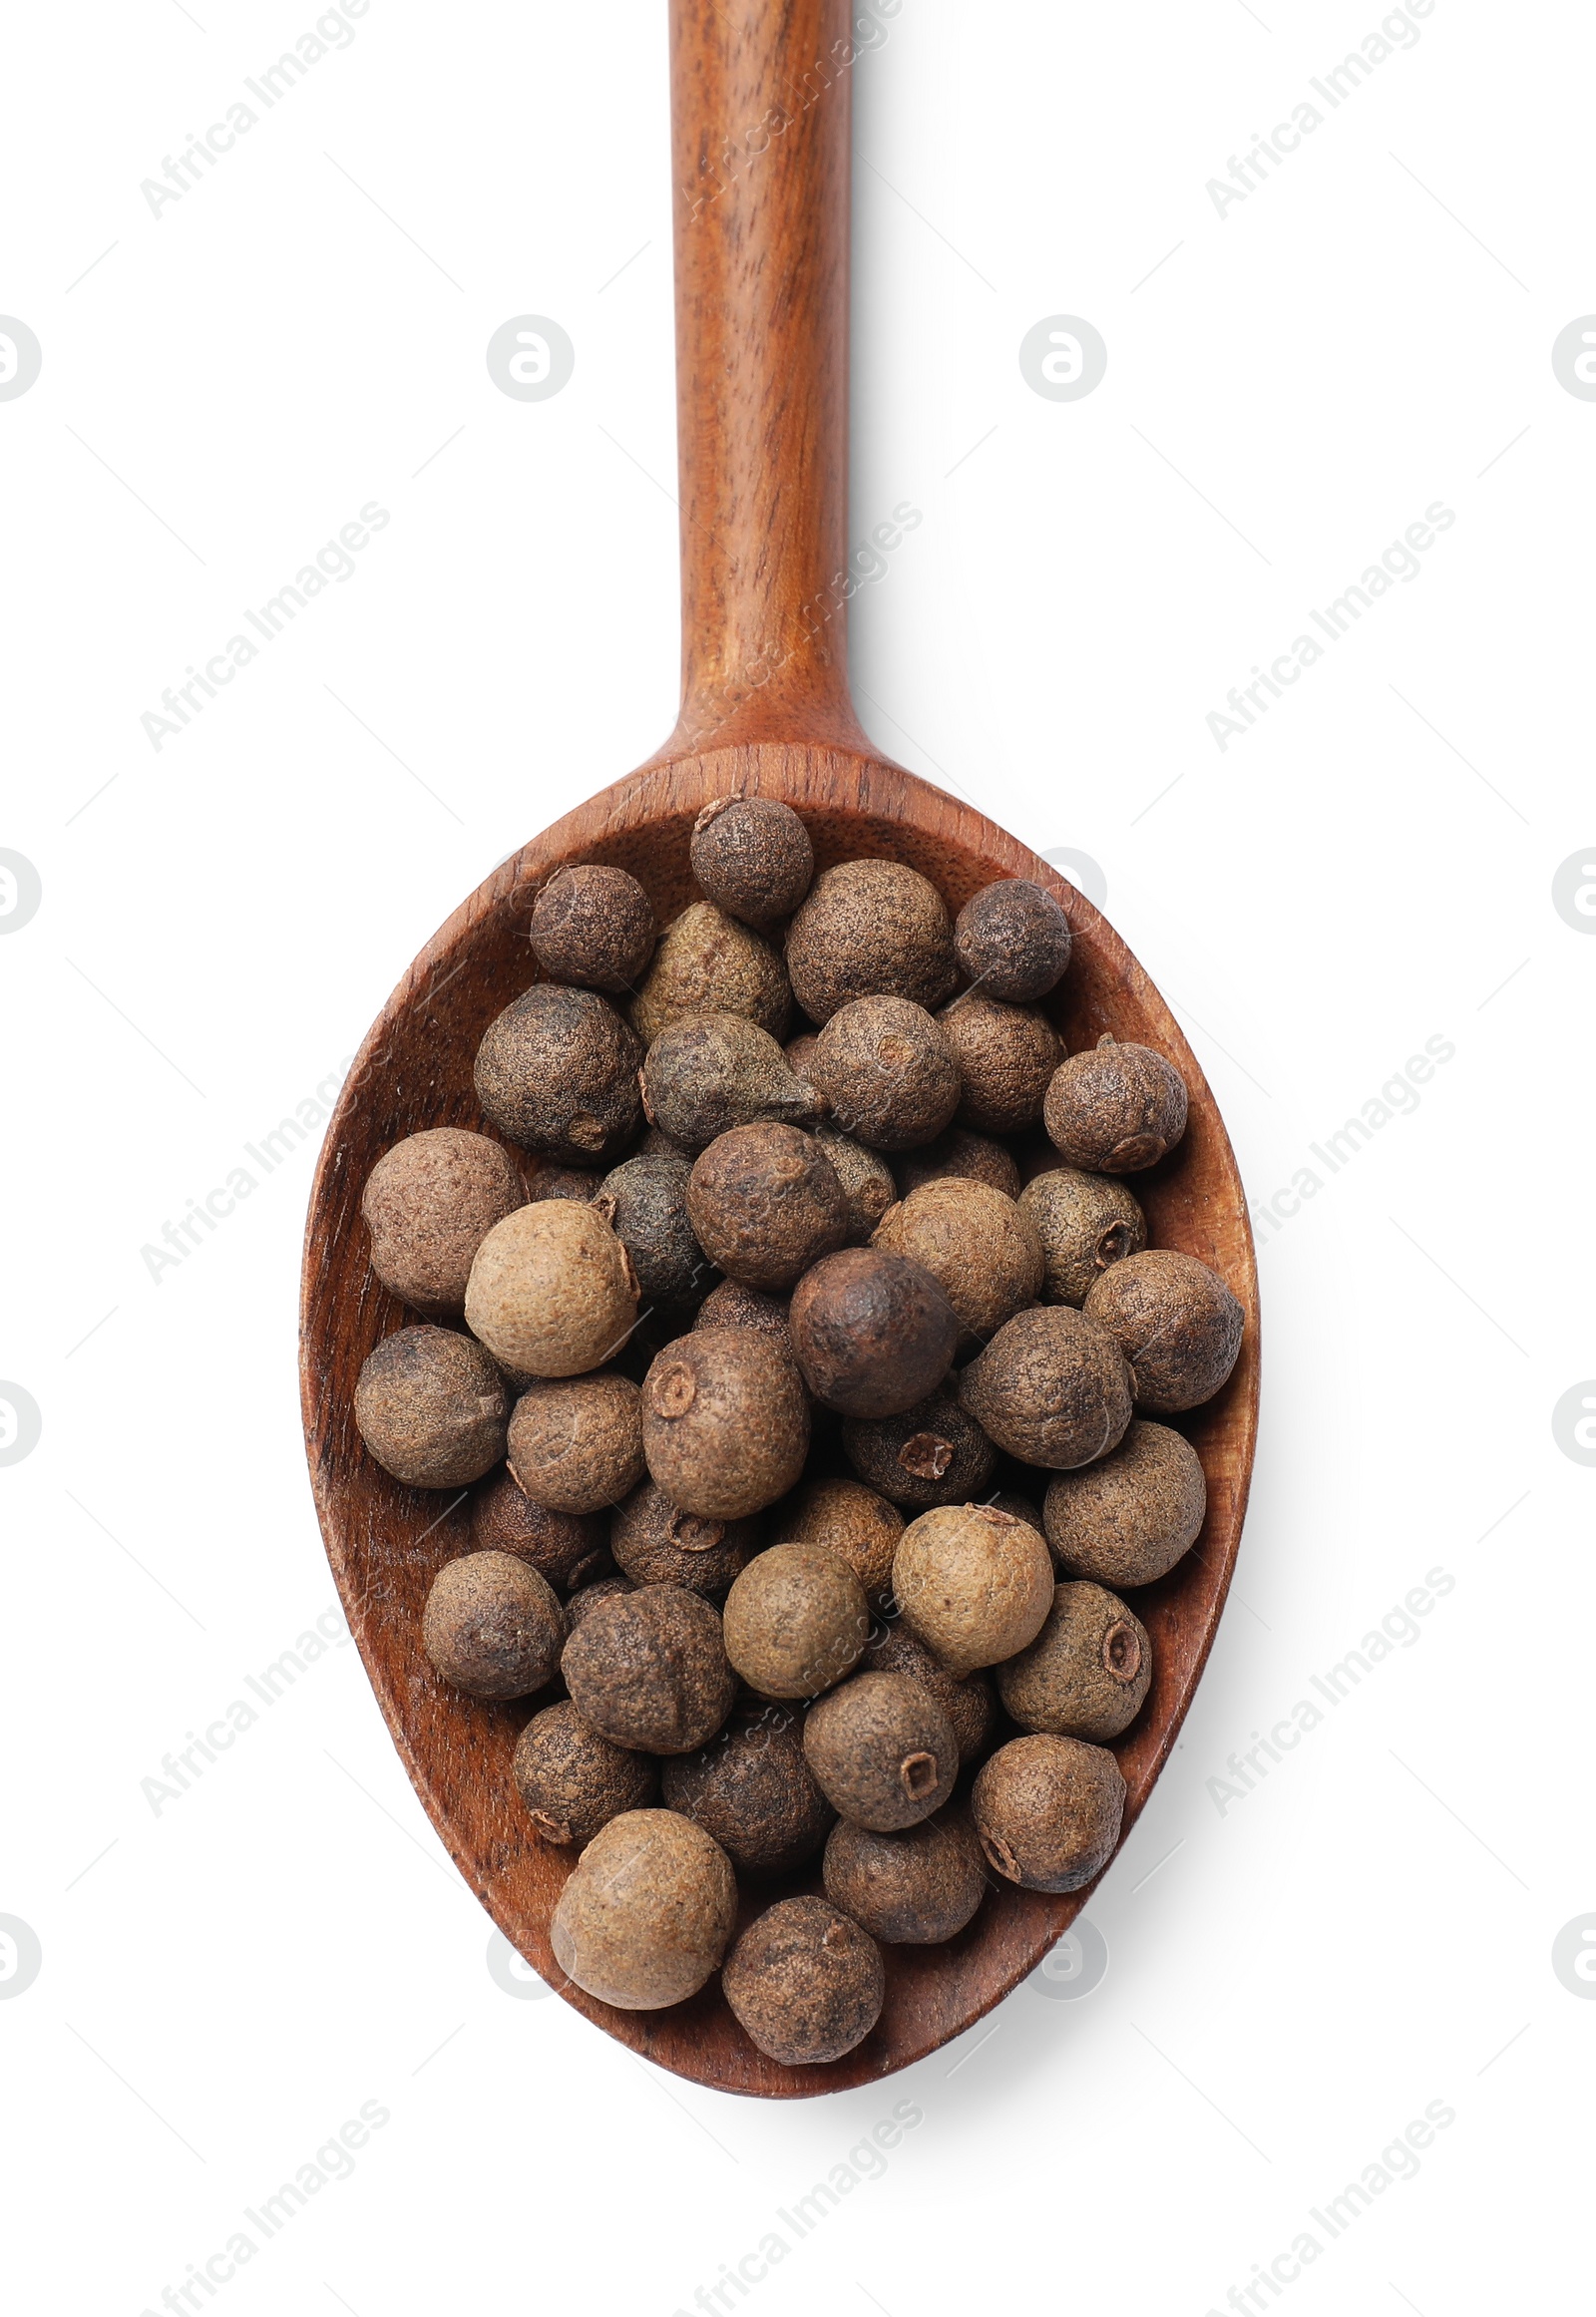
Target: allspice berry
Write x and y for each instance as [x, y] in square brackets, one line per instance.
[580, 1183]
[968, 1699]
[1115, 1108]
[1006, 1057]
[648, 1670]
[870, 928]
[707, 962]
[1085, 1223]
[851, 1521]
[725, 1424]
[1047, 1812]
[971, 1157]
[575, 1443]
[657, 1543]
[865, 1176]
[568, 1548]
[429, 1202]
[799, 1053]
[973, 1585]
[887, 1070]
[805, 1982]
[492, 1626]
[766, 1203]
[796, 1621]
[593, 925]
[751, 1788]
[1175, 1321]
[432, 1407]
[1050, 1387]
[709, 1073]
[934, 1453]
[588, 1597]
[1086, 1673]
[557, 1071]
[882, 1750]
[981, 1248]
[731, 1305]
[753, 858]
[870, 1330]
[574, 1781]
[1128, 1518]
[552, 1290]
[648, 1912]
[650, 1221]
[1013, 941]
[912, 1888]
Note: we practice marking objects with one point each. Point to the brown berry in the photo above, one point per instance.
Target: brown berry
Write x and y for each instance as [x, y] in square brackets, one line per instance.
[972, 1584]
[1047, 1812]
[574, 1781]
[657, 1543]
[1177, 1323]
[870, 928]
[568, 1548]
[580, 1183]
[934, 1453]
[1050, 1387]
[805, 1982]
[851, 1521]
[889, 1071]
[751, 1788]
[593, 925]
[647, 1913]
[557, 1071]
[432, 1407]
[1128, 1518]
[799, 1053]
[552, 1290]
[650, 1221]
[1085, 1223]
[709, 1073]
[981, 1248]
[871, 1332]
[575, 1443]
[731, 1305]
[1007, 1055]
[492, 1626]
[1115, 1108]
[865, 1176]
[1087, 1671]
[1013, 941]
[585, 1601]
[429, 1202]
[725, 1424]
[765, 1204]
[969, 1157]
[796, 1621]
[753, 858]
[707, 962]
[648, 1670]
[882, 1750]
[966, 1699]
[912, 1888]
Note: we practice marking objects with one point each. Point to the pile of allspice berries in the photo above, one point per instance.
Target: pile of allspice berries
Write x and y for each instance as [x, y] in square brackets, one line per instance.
[813, 1400]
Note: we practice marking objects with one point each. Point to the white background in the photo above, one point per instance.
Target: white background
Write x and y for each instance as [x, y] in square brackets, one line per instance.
[1292, 1976]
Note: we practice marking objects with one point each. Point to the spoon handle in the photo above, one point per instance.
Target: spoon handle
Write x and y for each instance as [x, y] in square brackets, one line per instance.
[761, 104]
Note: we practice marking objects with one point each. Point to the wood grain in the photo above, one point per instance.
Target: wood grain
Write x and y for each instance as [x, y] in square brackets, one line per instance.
[762, 300]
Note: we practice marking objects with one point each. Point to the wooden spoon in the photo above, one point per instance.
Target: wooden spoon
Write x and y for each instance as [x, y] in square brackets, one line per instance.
[761, 155]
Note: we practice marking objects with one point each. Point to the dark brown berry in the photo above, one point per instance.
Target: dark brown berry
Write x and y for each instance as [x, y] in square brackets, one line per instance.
[1007, 1055]
[648, 1670]
[805, 1982]
[969, 1157]
[914, 1888]
[966, 1699]
[751, 1788]
[1013, 941]
[851, 1521]
[1085, 1223]
[1050, 1387]
[574, 1781]
[1128, 1518]
[492, 1626]
[647, 1913]
[979, 1247]
[753, 858]
[882, 1750]
[432, 1407]
[552, 1290]
[657, 1543]
[1087, 1671]
[765, 1204]
[707, 962]
[580, 1183]
[650, 1221]
[557, 1071]
[583, 1603]
[593, 925]
[870, 928]
[1176, 1322]
[934, 1453]
[1047, 1812]
[429, 1202]
[1115, 1108]
[865, 1177]
[731, 1305]
[972, 1584]
[871, 1332]
[568, 1548]
[709, 1073]
[889, 1071]
[796, 1621]
[725, 1424]
[576, 1442]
